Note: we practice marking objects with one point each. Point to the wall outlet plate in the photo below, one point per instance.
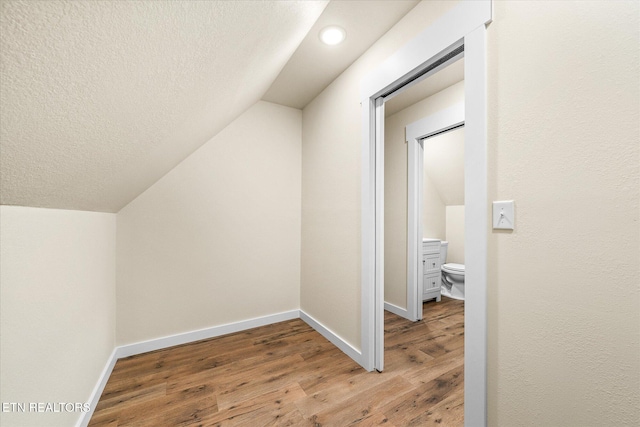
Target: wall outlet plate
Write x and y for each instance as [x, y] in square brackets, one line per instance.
[503, 215]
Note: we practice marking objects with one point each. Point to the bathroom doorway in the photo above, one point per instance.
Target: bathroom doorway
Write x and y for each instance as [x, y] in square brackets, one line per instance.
[436, 207]
[417, 200]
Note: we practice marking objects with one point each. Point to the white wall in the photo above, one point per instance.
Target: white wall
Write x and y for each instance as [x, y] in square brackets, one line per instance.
[444, 170]
[455, 234]
[395, 211]
[217, 240]
[434, 219]
[57, 275]
[395, 188]
[564, 303]
[444, 161]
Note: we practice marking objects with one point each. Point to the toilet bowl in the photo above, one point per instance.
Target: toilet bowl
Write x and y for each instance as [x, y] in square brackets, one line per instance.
[452, 276]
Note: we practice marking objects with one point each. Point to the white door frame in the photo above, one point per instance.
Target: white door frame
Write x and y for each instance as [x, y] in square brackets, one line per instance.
[465, 22]
[416, 132]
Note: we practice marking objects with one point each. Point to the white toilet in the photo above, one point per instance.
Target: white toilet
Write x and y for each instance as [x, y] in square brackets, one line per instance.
[452, 275]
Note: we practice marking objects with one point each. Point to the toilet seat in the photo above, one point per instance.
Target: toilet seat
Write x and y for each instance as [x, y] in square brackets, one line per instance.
[453, 268]
[452, 281]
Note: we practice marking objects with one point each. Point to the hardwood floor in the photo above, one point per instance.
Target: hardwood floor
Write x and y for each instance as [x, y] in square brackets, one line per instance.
[289, 375]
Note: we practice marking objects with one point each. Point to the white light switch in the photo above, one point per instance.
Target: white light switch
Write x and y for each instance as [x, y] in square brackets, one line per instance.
[503, 215]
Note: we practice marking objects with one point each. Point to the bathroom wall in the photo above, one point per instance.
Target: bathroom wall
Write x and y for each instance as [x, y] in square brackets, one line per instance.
[57, 308]
[444, 167]
[217, 240]
[434, 218]
[395, 209]
[455, 234]
[564, 286]
[444, 163]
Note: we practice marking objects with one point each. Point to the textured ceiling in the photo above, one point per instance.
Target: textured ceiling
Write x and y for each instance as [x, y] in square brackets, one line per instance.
[99, 99]
[315, 65]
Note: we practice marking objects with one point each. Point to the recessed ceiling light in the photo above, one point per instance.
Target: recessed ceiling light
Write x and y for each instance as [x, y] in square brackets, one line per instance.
[332, 35]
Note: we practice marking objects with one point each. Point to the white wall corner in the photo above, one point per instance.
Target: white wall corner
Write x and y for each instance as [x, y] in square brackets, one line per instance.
[85, 417]
[402, 312]
[334, 338]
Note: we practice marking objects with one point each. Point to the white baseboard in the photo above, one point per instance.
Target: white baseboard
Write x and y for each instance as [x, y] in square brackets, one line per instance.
[334, 338]
[203, 334]
[402, 312]
[85, 417]
[170, 341]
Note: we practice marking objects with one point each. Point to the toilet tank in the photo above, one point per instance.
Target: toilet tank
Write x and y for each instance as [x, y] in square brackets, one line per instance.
[443, 252]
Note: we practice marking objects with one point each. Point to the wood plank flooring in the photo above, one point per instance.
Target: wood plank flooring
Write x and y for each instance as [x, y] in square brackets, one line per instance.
[287, 374]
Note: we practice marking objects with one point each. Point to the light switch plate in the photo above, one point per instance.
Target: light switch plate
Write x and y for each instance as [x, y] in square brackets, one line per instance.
[503, 215]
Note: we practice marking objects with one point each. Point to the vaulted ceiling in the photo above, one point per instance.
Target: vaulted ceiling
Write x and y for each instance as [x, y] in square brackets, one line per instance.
[98, 100]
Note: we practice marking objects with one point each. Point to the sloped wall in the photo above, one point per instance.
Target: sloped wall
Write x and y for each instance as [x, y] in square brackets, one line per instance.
[217, 240]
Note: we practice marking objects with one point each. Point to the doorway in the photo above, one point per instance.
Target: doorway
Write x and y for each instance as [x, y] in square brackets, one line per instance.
[415, 203]
[447, 176]
[463, 26]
